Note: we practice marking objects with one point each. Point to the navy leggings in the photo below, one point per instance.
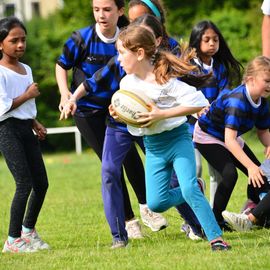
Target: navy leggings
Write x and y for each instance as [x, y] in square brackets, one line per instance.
[20, 148]
[93, 131]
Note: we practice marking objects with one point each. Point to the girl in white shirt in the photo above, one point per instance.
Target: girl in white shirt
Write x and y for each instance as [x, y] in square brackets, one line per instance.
[166, 137]
[18, 144]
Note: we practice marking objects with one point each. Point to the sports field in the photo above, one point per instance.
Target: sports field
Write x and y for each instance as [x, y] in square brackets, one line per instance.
[72, 221]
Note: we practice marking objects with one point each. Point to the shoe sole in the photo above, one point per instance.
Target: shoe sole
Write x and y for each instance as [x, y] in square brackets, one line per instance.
[155, 229]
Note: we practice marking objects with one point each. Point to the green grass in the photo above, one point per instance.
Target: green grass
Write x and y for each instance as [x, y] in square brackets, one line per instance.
[72, 221]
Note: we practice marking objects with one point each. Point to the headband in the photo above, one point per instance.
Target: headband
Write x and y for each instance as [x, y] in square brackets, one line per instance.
[153, 8]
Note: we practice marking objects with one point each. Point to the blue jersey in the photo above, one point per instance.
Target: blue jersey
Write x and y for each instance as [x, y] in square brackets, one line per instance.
[85, 53]
[232, 109]
[107, 80]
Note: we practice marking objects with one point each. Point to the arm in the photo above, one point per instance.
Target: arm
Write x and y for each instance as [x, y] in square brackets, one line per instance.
[156, 114]
[266, 36]
[62, 82]
[31, 92]
[254, 172]
[264, 137]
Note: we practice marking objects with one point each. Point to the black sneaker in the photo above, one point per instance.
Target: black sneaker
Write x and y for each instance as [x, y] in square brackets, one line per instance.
[225, 226]
[220, 245]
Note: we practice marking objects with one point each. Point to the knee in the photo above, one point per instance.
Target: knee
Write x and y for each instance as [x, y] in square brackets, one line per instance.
[229, 176]
[157, 205]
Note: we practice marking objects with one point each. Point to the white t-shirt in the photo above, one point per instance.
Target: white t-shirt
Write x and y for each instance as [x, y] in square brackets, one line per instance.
[266, 7]
[168, 95]
[12, 85]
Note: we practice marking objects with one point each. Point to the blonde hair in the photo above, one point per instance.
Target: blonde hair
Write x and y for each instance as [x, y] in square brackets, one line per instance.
[166, 65]
[258, 64]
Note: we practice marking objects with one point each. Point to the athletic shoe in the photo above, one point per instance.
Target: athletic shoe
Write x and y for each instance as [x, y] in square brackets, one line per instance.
[220, 245]
[33, 239]
[239, 222]
[154, 221]
[18, 246]
[119, 244]
[225, 226]
[202, 184]
[133, 229]
[186, 228]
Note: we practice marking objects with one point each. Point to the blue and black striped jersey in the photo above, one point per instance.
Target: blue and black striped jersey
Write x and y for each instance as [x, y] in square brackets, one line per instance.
[85, 53]
[232, 109]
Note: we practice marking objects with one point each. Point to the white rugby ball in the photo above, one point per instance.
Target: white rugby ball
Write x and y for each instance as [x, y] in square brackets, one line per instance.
[128, 103]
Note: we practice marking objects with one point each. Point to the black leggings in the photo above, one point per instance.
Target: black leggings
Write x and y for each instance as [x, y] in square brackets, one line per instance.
[21, 150]
[262, 211]
[93, 131]
[226, 164]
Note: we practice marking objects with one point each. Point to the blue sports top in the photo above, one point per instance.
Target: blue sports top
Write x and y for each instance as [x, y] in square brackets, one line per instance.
[233, 109]
[86, 53]
[107, 80]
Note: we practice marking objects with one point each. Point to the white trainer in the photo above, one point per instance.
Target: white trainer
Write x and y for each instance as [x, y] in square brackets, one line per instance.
[239, 222]
[154, 221]
[18, 246]
[133, 229]
[33, 239]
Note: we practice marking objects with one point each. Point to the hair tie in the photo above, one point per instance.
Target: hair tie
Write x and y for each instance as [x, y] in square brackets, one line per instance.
[152, 7]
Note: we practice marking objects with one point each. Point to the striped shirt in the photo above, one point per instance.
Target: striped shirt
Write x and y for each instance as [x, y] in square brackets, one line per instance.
[85, 53]
[235, 109]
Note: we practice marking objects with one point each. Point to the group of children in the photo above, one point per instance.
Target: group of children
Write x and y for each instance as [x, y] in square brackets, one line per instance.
[141, 56]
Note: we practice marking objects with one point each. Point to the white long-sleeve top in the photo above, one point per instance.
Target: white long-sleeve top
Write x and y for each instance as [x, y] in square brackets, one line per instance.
[168, 95]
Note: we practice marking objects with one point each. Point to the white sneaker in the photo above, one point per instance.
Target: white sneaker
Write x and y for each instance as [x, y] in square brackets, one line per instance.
[34, 240]
[133, 229]
[189, 232]
[18, 246]
[239, 222]
[154, 221]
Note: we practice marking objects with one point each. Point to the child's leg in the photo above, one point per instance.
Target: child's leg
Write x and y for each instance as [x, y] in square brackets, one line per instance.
[116, 146]
[12, 148]
[93, 131]
[185, 167]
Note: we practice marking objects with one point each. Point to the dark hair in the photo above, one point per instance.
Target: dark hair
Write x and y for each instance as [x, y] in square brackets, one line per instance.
[223, 55]
[122, 20]
[158, 4]
[152, 22]
[7, 24]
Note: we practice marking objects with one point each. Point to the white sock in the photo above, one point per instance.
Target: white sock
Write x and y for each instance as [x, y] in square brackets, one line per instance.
[143, 206]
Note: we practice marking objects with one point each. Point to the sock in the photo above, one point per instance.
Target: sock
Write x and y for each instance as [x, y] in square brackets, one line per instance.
[26, 230]
[142, 206]
[12, 239]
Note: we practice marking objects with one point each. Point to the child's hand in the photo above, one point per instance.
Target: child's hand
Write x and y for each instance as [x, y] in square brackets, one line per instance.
[39, 129]
[113, 114]
[255, 176]
[204, 110]
[69, 108]
[148, 118]
[32, 91]
[64, 99]
[267, 152]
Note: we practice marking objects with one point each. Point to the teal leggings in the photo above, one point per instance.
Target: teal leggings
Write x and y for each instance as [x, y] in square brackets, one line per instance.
[174, 150]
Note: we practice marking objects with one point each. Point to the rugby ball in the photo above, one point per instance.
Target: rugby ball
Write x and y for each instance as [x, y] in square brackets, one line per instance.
[128, 103]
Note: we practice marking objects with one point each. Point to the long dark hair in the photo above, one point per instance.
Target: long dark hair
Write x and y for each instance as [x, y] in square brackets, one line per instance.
[223, 55]
[122, 20]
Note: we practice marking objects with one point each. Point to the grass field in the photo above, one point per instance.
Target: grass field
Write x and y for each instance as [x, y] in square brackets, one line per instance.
[72, 221]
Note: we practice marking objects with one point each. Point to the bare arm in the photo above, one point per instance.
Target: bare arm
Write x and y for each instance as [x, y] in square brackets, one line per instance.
[62, 82]
[254, 172]
[156, 114]
[266, 35]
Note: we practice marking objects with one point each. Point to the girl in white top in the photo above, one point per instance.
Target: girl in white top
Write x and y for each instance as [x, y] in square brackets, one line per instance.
[166, 137]
[18, 144]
